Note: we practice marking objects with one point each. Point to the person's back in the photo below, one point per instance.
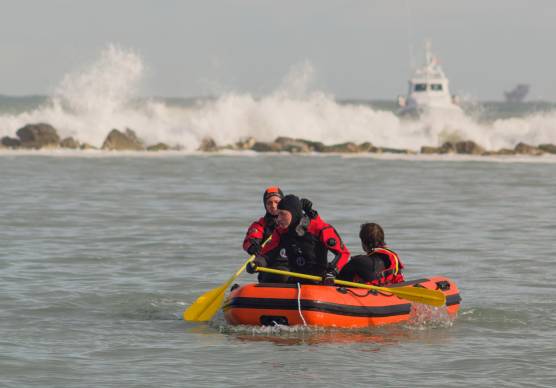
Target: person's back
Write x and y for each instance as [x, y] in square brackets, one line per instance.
[379, 265]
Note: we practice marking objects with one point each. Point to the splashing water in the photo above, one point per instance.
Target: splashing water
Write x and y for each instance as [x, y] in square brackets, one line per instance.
[89, 102]
[424, 317]
[103, 88]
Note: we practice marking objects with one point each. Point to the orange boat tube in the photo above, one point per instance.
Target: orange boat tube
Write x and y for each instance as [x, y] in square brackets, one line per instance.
[327, 306]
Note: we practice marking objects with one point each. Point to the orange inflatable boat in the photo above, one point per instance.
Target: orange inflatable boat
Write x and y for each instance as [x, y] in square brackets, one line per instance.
[330, 306]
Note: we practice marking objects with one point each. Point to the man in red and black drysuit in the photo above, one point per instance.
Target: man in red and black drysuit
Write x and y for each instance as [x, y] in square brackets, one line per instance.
[261, 229]
[302, 242]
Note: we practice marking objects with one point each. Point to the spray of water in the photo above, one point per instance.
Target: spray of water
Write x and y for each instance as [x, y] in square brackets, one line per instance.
[91, 101]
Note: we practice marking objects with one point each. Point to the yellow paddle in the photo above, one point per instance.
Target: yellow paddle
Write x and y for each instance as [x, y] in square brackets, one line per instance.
[414, 294]
[208, 304]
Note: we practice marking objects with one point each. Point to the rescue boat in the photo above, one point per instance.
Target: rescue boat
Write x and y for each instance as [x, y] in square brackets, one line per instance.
[327, 306]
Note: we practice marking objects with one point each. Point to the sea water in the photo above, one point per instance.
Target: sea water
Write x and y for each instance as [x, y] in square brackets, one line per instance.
[101, 253]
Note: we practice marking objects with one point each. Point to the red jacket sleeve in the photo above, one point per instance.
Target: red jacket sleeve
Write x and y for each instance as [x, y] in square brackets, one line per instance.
[273, 243]
[332, 241]
[254, 233]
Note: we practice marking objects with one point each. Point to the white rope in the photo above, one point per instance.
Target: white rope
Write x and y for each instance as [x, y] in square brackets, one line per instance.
[299, 304]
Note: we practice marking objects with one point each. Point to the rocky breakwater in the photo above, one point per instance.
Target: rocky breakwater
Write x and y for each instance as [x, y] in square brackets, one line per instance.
[472, 148]
[303, 146]
[297, 146]
[45, 136]
[33, 136]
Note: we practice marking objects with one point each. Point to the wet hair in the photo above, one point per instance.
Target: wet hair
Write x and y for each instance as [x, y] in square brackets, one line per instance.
[372, 236]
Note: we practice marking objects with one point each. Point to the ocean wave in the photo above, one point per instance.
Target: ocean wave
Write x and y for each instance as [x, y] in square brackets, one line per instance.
[90, 101]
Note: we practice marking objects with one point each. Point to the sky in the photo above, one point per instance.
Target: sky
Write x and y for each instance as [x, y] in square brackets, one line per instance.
[360, 49]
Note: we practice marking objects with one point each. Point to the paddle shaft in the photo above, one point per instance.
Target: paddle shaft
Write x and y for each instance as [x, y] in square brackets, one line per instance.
[205, 306]
[421, 295]
[319, 279]
[242, 268]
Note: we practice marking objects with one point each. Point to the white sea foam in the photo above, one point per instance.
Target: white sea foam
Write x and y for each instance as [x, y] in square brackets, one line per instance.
[91, 101]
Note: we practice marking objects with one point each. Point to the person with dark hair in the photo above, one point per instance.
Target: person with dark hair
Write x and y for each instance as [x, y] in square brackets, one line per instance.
[302, 240]
[379, 265]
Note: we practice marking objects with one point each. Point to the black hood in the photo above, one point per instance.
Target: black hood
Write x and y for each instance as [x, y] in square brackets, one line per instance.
[292, 204]
[271, 192]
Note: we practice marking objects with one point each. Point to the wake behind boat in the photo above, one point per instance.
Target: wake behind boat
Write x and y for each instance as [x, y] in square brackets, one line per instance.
[428, 90]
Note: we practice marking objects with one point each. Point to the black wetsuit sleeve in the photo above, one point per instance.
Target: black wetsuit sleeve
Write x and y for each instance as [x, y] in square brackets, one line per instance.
[363, 266]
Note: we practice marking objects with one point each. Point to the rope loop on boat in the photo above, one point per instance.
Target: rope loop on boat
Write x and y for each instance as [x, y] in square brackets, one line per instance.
[364, 294]
[299, 304]
[345, 290]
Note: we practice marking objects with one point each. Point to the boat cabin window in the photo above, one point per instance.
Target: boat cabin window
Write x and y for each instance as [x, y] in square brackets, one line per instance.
[436, 87]
[420, 87]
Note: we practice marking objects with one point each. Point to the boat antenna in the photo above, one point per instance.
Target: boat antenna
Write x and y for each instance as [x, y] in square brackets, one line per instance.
[428, 53]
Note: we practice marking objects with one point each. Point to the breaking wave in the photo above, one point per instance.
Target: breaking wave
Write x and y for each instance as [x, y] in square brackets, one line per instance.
[89, 102]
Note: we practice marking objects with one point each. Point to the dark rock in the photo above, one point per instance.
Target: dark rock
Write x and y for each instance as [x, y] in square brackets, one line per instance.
[10, 142]
[283, 140]
[246, 144]
[505, 151]
[550, 148]
[315, 146]
[207, 145]
[469, 148]
[158, 147]
[348, 147]
[38, 136]
[395, 151]
[447, 148]
[87, 146]
[367, 147]
[266, 147]
[526, 149]
[427, 150]
[69, 142]
[292, 145]
[119, 141]
[502, 151]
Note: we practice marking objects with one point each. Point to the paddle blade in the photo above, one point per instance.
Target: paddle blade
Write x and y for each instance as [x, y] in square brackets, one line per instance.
[414, 294]
[420, 295]
[208, 304]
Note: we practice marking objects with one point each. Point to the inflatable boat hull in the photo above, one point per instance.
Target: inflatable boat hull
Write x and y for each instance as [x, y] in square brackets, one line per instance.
[328, 306]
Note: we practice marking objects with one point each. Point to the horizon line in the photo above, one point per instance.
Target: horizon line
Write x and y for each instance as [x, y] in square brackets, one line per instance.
[341, 100]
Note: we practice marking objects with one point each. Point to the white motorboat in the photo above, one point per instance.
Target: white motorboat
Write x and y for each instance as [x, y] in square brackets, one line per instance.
[428, 90]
